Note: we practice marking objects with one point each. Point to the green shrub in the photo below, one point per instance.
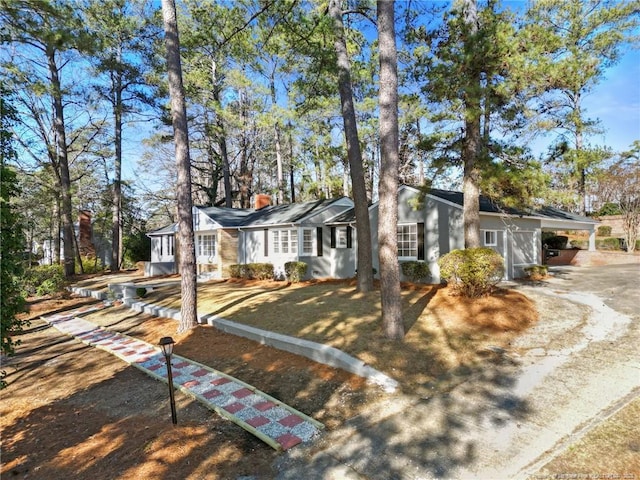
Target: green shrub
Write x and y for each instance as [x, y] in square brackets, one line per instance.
[579, 244]
[536, 272]
[237, 271]
[89, 265]
[141, 292]
[604, 230]
[250, 271]
[558, 242]
[637, 246]
[43, 280]
[260, 271]
[472, 272]
[295, 271]
[415, 271]
[610, 243]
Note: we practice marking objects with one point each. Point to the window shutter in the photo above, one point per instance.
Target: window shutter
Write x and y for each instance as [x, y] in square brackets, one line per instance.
[266, 242]
[333, 237]
[420, 241]
[349, 235]
[319, 241]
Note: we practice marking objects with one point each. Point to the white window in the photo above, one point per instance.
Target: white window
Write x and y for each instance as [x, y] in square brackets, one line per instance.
[285, 241]
[307, 241]
[490, 238]
[341, 237]
[408, 241]
[207, 246]
[170, 245]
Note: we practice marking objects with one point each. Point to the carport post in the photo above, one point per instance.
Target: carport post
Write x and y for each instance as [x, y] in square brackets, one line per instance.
[592, 239]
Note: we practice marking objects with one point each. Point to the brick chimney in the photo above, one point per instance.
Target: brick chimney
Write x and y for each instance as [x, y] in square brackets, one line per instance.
[262, 200]
[84, 234]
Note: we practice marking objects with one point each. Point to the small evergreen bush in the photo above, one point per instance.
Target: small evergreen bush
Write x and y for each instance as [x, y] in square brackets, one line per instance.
[252, 271]
[89, 265]
[237, 271]
[260, 271]
[472, 272]
[295, 271]
[604, 230]
[43, 280]
[415, 271]
[611, 243]
[536, 272]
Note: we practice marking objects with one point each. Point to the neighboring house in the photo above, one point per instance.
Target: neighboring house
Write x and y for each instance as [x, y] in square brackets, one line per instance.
[323, 234]
[163, 250]
[90, 243]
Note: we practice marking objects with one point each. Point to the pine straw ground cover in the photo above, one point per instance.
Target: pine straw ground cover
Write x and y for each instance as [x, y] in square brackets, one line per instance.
[444, 333]
[73, 411]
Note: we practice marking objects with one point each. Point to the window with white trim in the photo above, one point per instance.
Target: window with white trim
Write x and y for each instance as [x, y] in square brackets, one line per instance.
[341, 237]
[408, 240]
[170, 245]
[490, 238]
[285, 241]
[207, 246]
[308, 237]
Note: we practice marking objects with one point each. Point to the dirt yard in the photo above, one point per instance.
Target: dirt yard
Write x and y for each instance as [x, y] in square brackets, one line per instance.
[73, 411]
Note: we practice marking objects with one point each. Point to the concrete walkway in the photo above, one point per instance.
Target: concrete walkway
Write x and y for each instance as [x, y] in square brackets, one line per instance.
[275, 423]
[512, 418]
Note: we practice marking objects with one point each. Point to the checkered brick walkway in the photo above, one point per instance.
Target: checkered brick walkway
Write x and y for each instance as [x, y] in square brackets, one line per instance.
[275, 423]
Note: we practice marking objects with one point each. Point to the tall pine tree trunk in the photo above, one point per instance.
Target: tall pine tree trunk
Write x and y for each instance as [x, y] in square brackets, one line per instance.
[187, 254]
[361, 206]
[63, 165]
[116, 212]
[389, 167]
[472, 130]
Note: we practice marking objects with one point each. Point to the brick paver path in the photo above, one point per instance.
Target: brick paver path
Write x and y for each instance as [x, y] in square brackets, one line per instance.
[275, 423]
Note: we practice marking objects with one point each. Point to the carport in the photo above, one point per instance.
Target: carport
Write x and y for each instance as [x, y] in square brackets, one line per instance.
[553, 219]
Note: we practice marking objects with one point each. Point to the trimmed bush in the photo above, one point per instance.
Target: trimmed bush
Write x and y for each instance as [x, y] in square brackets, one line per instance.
[415, 271]
[260, 271]
[141, 292]
[43, 280]
[536, 272]
[558, 242]
[472, 272]
[611, 243]
[295, 271]
[237, 271]
[252, 271]
[604, 230]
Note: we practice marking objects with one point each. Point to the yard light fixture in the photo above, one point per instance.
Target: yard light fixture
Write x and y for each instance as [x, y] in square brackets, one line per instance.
[166, 344]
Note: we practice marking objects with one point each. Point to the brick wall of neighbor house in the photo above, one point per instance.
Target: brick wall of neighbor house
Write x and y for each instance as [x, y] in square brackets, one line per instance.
[228, 254]
[616, 223]
[585, 258]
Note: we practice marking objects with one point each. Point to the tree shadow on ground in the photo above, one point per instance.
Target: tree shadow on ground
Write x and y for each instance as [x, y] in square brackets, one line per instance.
[82, 413]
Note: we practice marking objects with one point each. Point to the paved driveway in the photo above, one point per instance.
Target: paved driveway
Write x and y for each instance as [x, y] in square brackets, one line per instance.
[578, 364]
[617, 285]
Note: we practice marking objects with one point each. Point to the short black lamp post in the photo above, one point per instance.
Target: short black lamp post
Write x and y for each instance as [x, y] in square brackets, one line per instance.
[166, 343]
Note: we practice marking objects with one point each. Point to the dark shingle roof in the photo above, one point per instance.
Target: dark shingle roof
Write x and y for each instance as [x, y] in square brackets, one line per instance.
[228, 217]
[273, 215]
